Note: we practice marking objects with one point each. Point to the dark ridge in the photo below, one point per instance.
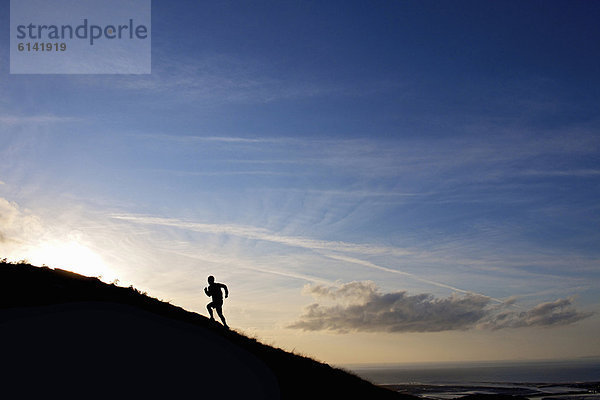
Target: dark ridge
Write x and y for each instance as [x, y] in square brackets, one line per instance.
[75, 336]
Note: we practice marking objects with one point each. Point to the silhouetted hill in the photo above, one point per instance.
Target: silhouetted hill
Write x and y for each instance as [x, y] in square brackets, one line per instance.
[76, 337]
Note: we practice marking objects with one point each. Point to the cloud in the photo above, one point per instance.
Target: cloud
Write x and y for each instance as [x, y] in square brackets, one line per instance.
[395, 271]
[223, 79]
[499, 158]
[190, 139]
[336, 250]
[256, 233]
[219, 80]
[234, 262]
[12, 120]
[584, 173]
[558, 312]
[347, 252]
[16, 225]
[360, 306]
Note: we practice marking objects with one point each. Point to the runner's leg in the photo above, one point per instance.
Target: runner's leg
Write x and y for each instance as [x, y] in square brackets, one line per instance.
[220, 312]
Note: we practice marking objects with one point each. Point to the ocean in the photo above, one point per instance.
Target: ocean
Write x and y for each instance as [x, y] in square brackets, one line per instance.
[582, 370]
[533, 379]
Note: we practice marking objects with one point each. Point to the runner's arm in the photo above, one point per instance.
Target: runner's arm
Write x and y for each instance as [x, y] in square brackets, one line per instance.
[226, 291]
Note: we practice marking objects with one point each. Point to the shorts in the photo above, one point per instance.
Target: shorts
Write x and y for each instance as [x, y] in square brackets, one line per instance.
[215, 304]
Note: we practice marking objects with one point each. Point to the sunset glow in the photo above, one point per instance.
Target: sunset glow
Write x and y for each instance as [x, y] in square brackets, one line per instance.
[72, 256]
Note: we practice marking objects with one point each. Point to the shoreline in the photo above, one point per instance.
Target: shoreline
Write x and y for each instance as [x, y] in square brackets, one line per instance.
[532, 391]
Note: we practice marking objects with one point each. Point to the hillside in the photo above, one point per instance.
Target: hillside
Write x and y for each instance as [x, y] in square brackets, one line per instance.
[75, 336]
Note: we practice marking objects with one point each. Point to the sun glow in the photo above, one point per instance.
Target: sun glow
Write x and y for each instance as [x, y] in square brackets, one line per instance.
[71, 255]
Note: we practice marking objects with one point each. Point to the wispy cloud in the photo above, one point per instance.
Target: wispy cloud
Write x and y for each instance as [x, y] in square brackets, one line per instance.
[357, 193]
[392, 259]
[447, 163]
[255, 233]
[223, 79]
[563, 173]
[233, 262]
[398, 272]
[17, 226]
[188, 139]
[360, 306]
[220, 172]
[12, 120]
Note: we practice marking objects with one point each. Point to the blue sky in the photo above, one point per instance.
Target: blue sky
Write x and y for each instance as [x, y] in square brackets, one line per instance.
[338, 154]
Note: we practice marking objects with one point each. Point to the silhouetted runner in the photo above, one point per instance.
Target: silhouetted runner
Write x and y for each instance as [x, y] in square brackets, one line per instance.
[214, 290]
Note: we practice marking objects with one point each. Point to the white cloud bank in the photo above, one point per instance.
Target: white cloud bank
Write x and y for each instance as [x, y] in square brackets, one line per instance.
[360, 306]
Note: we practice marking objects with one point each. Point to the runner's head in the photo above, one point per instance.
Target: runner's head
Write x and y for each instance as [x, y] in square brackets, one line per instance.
[211, 279]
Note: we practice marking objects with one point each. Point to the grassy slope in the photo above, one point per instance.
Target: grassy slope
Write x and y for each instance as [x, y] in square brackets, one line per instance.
[24, 286]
